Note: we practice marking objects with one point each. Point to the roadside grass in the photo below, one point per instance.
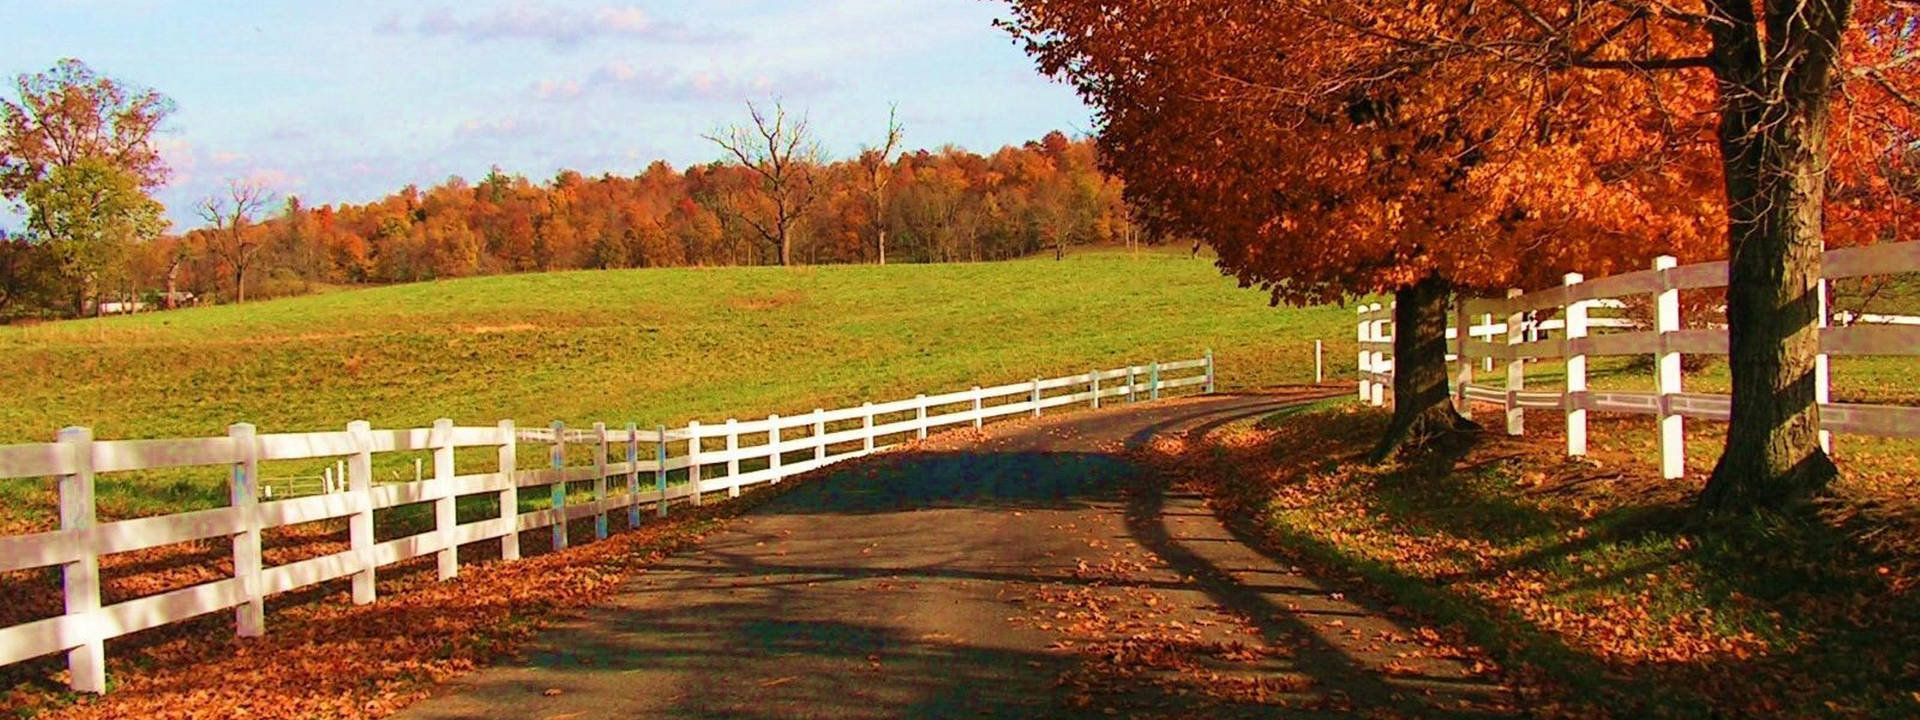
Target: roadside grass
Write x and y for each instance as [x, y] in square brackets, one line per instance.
[1893, 294]
[1591, 581]
[647, 346]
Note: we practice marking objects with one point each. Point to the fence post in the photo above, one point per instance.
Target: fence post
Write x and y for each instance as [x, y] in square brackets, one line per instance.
[1462, 365]
[1093, 385]
[250, 617]
[633, 476]
[557, 457]
[819, 435]
[774, 461]
[1378, 330]
[360, 526]
[1153, 380]
[1363, 365]
[1575, 341]
[660, 468]
[693, 459]
[441, 440]
[733, 458]
[1133, 385]
[599, 481]
[509, 495]
[1488, 360]
[1209, 385]
[920, 415]
[1822, 380]
[1319, 366]
[1516, 369]
[1035, 397]
[866, 427]
[1673, 449]
[87, 664]
[978, 421]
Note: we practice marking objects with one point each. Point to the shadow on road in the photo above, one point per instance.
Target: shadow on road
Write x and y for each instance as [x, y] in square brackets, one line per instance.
[913, 481]
[890, 588]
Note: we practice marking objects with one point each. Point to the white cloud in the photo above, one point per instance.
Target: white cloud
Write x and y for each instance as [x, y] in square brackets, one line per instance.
[666, 84]
[499, 127]
[273, 179]
[561, 27]
[557, 89]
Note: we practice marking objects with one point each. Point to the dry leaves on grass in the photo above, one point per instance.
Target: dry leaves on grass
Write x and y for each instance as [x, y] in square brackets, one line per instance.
[323, 657]
[1590, 567]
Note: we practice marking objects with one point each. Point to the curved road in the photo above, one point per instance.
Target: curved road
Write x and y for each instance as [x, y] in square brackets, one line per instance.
[1027, 571]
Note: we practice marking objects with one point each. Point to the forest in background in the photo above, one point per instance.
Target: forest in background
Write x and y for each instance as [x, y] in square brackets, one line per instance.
[944, 205]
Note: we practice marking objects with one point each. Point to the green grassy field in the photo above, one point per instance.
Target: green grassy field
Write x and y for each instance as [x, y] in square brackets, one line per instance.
[658, 347]
[645, 346]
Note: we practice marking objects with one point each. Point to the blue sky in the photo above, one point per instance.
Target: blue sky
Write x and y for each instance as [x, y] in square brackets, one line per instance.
[347, 101]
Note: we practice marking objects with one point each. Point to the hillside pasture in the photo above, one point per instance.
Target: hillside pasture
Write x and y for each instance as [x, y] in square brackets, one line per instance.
[645, 346]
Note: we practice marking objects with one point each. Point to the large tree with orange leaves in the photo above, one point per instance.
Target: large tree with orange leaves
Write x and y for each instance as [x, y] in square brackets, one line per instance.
[1333, 146]
[1319, 172]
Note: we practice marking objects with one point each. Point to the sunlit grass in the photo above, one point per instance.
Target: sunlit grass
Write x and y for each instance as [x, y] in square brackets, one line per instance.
[646, 346]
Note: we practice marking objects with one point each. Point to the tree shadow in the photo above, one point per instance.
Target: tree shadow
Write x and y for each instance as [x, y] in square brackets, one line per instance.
[1830, 607]
[786, 616]
[739, 659]
[909, 481]
[1331, 664]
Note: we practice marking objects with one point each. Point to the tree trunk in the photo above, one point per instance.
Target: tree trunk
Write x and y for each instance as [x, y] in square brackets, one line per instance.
[1423, 409]
[173, 273]
[883, 246]
[785, 240]
[1773, 145]
[240, 284]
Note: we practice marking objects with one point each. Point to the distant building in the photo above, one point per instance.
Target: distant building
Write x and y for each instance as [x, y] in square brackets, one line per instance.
[123, 307]
[156, 301]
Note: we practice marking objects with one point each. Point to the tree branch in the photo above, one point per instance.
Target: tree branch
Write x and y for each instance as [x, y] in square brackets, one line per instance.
[1880, 79]
[1645, 64]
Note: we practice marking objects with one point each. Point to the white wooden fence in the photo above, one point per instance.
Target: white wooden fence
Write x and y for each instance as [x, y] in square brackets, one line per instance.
[1512, 340]
[786, 446]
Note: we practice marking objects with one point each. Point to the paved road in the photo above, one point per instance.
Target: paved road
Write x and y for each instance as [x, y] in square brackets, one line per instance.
[975, 577]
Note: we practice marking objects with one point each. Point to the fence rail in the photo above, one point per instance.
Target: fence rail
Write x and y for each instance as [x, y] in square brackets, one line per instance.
[1513, 328]
[640, 459]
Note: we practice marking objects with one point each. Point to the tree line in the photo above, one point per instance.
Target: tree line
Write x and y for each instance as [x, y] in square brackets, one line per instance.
[77, 156]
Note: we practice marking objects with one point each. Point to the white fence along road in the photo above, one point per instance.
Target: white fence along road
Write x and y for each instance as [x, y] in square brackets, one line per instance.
[786, 446]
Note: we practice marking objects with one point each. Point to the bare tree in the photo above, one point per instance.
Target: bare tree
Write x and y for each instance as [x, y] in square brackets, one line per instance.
[231, 217]
[782, 154]
[877, 164]
[177, 257]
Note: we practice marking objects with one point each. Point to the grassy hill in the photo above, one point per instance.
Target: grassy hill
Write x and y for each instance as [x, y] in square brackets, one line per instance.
[659, 347]
[652, 346]
[645, 346]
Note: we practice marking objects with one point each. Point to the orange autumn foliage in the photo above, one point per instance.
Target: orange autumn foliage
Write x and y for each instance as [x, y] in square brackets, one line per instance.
[1258, 126]
[1320, 166]
[1336, 147]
